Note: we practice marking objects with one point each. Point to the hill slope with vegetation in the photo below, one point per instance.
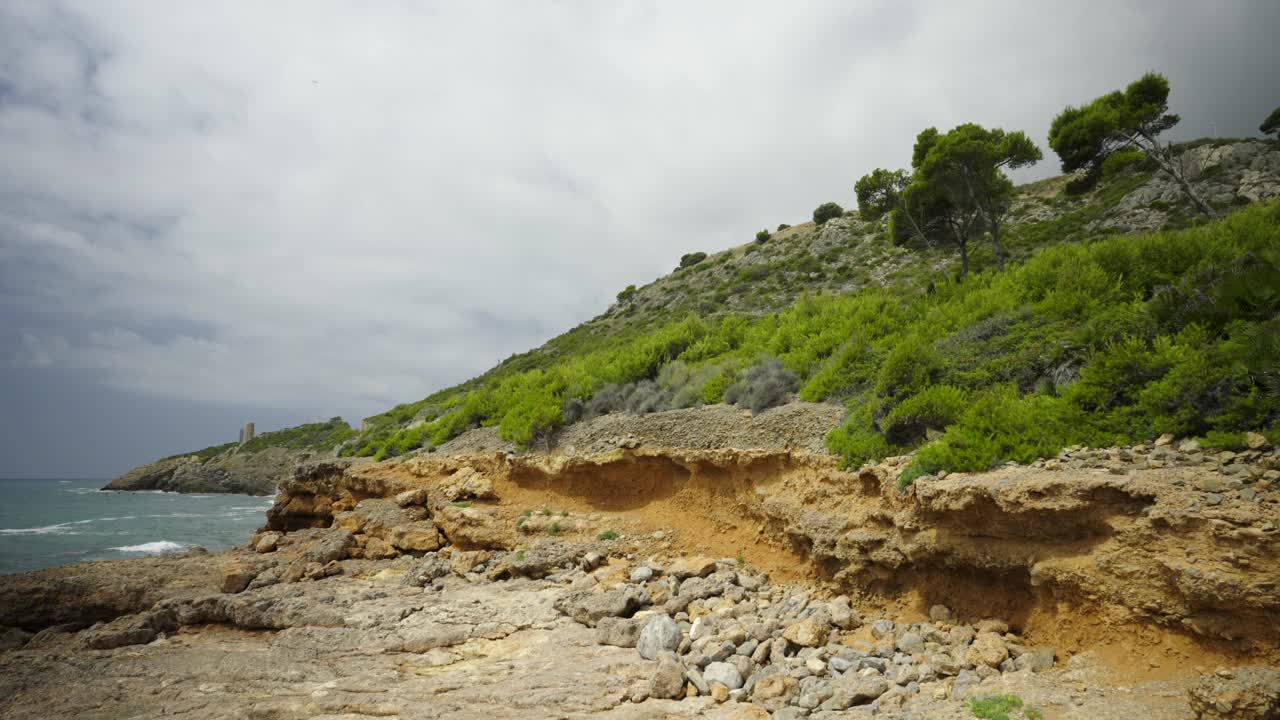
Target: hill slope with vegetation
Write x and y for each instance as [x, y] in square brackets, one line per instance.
[952, 314]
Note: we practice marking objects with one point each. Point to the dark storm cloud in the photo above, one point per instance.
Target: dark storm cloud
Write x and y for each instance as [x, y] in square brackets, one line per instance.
[284, 211]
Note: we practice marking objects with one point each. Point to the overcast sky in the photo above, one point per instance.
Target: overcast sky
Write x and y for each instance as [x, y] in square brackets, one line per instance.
[213, 212]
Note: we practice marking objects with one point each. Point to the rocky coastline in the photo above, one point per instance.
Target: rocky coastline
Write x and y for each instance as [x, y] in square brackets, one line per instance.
[640, 581]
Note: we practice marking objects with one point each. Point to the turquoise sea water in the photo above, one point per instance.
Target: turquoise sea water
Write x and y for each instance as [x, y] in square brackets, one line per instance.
[56, 522]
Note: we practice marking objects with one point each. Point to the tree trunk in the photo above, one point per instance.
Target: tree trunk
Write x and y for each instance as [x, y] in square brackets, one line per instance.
[995, 244]
[964, 258]
[1164, 159]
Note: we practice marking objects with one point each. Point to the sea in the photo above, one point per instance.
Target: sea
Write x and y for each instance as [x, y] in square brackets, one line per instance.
[56, 522]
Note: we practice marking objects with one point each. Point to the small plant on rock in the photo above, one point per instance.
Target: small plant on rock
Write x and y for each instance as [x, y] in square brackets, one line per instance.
[607, 535]
[554, 529]
[1002, 707]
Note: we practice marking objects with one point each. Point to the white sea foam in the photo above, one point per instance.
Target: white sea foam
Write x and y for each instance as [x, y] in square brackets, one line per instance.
[159, 546]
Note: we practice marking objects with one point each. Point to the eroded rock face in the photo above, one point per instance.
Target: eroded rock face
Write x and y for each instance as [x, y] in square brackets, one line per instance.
[258, 473]
[1248, 693]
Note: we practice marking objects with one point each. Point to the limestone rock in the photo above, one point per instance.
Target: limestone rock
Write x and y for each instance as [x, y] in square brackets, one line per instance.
[660, 634]
[467, 484]
[688, 567]
[588, 608]
[806, 633]
[667, 682]
[267, 543]
[724, 673]
[334, 544]
[620, 632]
[987, 649]
[420, 535]
[236, 577]
[1245, 693]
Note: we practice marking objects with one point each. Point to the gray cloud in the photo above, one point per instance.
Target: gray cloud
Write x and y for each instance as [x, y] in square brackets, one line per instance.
[297, 209]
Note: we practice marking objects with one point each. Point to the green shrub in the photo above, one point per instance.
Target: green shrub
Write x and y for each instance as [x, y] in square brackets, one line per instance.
[627, 293]
[1218, 440]
[691, 259]
[1116, 163]
[1003, 425]
[554, 529]
[607, 535]
[782, 226]
[827, 211]
[934, 407]
[910, 367]
[763, 236]
[1002, 707]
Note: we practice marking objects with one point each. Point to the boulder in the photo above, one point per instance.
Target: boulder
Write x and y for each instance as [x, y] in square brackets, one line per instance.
[236, 576]
[619, 632]
[847, 691]
[419, 536]
[987, 649]
[667, 681]
[467, 484]
[724, 673]
[660, 634]
[806, 633]
[410, 498]
[775, 691]
[267, 543]
[334, 544]
[589, 607]
[688, 567]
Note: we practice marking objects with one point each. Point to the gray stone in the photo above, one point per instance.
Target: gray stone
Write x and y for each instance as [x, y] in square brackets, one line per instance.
[880, 628]
[723, 673]
[911, 643]
[1213, 499]
[641, 574]
[619, 632]
[667, 681]
[848, 691]
[695, 677]
[588, 608]
[941, 613]
[660, 633]
[1037, 660]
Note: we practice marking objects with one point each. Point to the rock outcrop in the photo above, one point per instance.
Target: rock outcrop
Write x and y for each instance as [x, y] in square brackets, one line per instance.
[234, 471]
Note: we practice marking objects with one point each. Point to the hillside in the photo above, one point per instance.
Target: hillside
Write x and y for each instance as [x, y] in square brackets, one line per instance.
[1123, 287]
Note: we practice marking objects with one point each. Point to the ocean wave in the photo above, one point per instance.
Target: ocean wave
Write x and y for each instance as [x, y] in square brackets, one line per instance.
[159, 546]
[61, 528]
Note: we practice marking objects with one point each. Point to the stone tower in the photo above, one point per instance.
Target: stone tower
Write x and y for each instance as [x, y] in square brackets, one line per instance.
[246, 433]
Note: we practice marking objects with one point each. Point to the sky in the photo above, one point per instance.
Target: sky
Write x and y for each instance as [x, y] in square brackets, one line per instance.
[220, 212]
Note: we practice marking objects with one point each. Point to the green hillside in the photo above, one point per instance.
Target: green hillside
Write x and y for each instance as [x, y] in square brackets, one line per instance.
[1096, 332]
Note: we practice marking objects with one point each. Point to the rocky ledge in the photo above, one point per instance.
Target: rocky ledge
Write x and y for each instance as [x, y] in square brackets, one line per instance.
[642, 583]
[233, 471]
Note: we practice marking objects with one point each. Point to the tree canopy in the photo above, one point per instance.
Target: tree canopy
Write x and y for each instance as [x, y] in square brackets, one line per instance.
[1085, 136]
[957, 187]
[1271, 126]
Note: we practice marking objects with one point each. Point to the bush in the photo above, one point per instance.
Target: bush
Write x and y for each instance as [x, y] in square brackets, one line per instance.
[627, 293]
[999, 426]
[763, 236]
[933, 408]
[691, 259]
[827, 211]
[782, 226]
[1120, 161]
[607, 535]
[763, 386]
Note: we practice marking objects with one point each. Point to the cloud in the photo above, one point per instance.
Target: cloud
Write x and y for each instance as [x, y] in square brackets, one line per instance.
[304, 205]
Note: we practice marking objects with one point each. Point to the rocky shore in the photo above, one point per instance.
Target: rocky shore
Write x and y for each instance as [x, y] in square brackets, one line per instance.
[233, 471]
[645, 582]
